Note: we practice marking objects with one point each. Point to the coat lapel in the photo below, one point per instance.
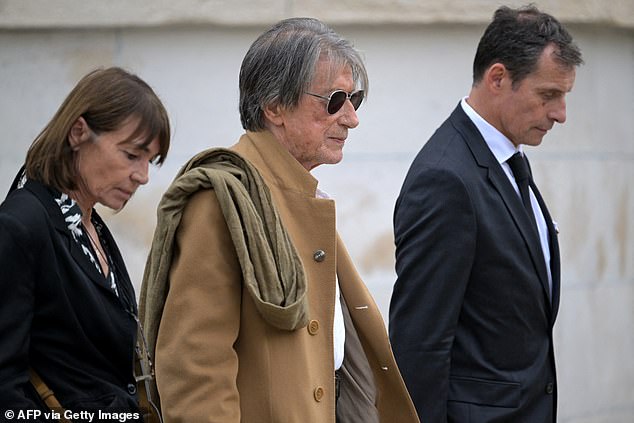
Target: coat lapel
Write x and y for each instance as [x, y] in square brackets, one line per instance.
[57, 219]
[502, 185]
[84, 262]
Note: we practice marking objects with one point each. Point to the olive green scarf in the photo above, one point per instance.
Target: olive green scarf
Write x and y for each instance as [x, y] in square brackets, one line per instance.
[271, 268]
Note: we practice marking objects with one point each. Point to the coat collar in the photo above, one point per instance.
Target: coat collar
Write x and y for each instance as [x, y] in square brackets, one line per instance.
[501, 147]
[275, 163]
[485, 159]
[46, 196]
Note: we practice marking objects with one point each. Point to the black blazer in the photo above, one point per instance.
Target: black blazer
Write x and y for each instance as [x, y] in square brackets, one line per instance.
[58, 314]
[471, 314]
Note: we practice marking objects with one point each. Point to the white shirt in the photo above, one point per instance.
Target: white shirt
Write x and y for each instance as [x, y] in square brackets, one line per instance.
[502, 148]
[339, 328]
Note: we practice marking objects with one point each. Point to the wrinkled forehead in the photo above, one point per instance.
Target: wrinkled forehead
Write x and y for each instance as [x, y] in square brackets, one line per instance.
[328, 69]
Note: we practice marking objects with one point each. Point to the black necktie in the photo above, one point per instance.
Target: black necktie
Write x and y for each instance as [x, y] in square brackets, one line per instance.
[522, 175]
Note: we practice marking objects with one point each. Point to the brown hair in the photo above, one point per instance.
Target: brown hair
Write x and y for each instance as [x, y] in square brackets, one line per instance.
[106, 99]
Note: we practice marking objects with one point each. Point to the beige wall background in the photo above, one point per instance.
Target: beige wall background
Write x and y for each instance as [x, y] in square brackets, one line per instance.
[419, 57]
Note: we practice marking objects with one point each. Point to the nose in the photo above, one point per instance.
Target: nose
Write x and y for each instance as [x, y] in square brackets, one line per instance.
[349, 116]
[558, 111]
[140, 175]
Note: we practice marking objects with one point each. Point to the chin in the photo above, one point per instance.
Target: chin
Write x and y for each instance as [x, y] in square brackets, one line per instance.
[115, 206]
[336, 158]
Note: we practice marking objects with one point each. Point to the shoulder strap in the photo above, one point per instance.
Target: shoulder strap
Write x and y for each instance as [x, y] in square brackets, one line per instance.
[147, 392]
[47, 395]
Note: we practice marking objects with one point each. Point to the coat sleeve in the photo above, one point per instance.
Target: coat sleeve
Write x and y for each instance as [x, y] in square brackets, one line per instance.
[196, 363]
[435, 232]
[17, 287]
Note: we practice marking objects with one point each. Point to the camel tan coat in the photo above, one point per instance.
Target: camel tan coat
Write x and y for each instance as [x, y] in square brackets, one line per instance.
[217, 360]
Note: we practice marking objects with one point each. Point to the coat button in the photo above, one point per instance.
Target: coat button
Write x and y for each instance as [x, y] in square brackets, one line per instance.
[319, 393]
[550, 388]
[313, 327]
[131, 388]
[319, 256]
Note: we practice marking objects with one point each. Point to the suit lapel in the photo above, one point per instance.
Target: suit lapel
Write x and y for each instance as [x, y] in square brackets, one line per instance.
[553, 243]
[514, 205]
[485, 159]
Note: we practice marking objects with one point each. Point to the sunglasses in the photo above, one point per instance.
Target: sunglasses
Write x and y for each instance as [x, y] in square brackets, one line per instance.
[337, 99]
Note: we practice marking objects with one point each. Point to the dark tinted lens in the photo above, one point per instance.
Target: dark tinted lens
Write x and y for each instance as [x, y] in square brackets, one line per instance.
[337, 99]
[356, 99]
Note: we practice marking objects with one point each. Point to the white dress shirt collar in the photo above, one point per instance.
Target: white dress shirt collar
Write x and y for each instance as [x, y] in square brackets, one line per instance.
[501, 147]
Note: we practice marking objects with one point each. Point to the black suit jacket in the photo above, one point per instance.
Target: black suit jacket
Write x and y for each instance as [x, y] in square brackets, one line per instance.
[471, 314]
[58, 314]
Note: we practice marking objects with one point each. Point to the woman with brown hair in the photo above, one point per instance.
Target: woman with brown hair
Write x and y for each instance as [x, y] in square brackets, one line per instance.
[67, 307]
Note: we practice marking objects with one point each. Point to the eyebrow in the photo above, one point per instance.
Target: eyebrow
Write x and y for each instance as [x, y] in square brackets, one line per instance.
[552, 91]
[139, 144]
[142, 147]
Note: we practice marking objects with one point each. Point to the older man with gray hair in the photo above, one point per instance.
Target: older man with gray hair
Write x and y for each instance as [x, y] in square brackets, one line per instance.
[250, 300]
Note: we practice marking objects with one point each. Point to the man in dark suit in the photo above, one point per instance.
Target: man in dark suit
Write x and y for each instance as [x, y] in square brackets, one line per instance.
[477, 258]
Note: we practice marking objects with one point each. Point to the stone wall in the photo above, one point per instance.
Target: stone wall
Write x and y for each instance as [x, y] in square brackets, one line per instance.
[143, 13]
[418, 72]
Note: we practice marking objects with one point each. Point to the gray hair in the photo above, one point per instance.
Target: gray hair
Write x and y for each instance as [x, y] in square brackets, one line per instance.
[280, 66]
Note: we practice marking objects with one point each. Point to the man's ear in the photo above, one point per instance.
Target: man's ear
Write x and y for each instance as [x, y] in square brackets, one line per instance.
[495, 75]
[79, 133]
[274, 113]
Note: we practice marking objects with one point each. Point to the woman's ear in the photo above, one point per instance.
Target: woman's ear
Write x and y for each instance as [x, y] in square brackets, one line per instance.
[79, 133]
